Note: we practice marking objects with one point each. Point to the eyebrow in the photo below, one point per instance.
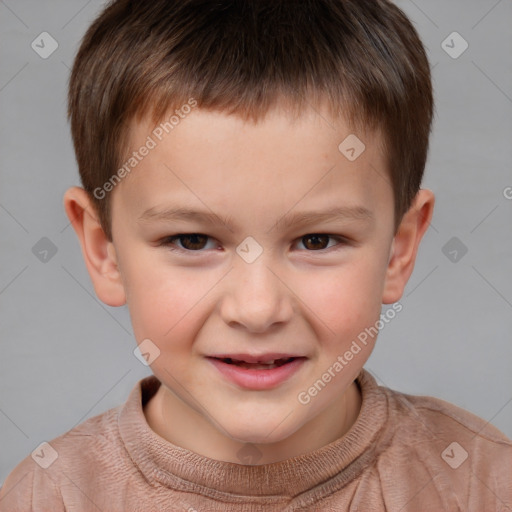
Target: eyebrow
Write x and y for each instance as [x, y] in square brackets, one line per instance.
[305, 218]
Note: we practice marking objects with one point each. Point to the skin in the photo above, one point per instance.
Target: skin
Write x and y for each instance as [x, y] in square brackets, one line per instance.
[302, 297]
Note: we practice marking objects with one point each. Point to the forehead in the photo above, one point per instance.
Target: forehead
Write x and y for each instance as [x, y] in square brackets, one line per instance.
[221, 162]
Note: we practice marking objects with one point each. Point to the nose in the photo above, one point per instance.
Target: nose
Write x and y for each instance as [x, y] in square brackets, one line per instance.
[256, 297]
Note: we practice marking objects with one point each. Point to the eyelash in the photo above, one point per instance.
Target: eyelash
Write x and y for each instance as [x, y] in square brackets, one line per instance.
[168, 242]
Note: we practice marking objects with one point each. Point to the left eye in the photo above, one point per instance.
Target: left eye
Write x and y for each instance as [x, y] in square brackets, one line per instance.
[195, 242]
[316, 240]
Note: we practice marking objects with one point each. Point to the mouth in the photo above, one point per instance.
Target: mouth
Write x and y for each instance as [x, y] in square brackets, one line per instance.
[268, 364]
[265, 361]
[258, 372]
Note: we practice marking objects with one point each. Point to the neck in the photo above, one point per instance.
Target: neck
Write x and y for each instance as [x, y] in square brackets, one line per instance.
[195, 433]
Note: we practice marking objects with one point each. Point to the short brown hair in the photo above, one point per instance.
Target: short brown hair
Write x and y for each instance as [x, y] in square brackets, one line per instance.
[242, 57]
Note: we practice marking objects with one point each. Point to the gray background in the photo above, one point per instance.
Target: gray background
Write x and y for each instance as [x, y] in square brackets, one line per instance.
[65, 356]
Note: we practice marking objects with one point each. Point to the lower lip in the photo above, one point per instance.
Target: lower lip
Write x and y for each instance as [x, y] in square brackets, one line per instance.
[258, 379]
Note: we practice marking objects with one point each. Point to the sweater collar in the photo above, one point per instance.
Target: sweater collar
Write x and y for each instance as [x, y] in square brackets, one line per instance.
[164, 463]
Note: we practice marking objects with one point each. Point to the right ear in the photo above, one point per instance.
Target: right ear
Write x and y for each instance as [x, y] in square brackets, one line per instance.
[99, 253]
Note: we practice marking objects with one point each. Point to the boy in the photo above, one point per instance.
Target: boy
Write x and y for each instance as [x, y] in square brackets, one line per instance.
[251, 176]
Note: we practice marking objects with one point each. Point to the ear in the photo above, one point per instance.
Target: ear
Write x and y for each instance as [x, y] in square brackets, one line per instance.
[405, 245]
[98, 252]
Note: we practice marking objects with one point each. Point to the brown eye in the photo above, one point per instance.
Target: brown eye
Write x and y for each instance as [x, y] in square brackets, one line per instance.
[194, 241]
[316, 241]
[189, 242]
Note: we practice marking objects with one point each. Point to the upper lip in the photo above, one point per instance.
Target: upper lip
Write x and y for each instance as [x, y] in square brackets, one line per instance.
[261, 358]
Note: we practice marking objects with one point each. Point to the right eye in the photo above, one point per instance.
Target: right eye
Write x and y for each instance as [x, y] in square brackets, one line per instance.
[190, 242]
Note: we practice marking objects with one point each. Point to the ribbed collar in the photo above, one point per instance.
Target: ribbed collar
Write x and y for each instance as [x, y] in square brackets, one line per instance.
[164, 463]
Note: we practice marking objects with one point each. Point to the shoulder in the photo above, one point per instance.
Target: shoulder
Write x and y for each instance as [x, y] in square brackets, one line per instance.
[40, 479]
[450, 451]
[440, 418]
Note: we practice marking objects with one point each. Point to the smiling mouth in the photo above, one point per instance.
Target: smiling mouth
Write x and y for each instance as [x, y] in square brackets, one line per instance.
[275, 363]
[260, 372]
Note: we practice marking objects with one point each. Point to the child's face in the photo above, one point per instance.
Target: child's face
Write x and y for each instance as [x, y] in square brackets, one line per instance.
[255, 285]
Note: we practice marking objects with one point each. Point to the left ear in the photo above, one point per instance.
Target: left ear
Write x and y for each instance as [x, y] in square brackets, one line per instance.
[405, 245]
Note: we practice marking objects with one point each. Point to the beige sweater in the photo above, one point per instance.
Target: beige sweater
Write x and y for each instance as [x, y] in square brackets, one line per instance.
[404, 453]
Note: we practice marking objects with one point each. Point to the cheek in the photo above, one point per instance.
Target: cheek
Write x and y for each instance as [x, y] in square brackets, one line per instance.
[347, 300]
[164, 309]
[163, 299]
